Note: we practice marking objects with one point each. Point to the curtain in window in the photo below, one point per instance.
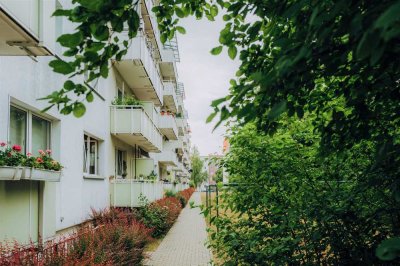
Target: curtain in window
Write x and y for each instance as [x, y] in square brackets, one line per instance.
[92, 158]
[18, 119]
[40, 135]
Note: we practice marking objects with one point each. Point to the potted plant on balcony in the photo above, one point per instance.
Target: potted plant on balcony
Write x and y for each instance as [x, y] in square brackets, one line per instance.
[152, 176]
[43, 168]
[10, 162]
[127, 101]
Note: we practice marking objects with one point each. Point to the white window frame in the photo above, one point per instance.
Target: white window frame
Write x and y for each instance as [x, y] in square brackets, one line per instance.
[86, 171]
[116, 162]
[28, 131]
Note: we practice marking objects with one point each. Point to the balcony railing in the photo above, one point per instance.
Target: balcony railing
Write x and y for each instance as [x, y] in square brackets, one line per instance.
[174, 145]
[167, 125]
[133, 125]
[168, 157]
[127, 192]
[170, 98]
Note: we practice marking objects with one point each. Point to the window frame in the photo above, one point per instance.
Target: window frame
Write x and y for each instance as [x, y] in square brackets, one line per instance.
[86, 152]
[28, 128]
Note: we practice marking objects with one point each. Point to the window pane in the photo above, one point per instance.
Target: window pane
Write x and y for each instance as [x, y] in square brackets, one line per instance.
[93, 155]
[18, 120]
[40, 135]
[85, 152]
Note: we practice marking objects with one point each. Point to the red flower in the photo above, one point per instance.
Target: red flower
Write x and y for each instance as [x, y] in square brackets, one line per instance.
[48, 151]
[41, 152]
[29, 154]
[2, 144]
[39, 160]
[16, 148]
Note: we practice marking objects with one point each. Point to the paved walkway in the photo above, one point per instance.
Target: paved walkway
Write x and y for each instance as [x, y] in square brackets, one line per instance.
[184, 243]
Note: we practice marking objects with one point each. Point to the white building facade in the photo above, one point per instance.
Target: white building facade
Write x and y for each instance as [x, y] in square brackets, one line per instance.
[112, 154]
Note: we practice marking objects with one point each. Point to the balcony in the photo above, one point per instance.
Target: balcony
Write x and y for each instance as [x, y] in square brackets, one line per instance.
[180, 123]
[126, 192]
[134, 126]
[168, 157]
[174, 145]
[170, 98]
[168, 65]
[167, 125]
[139, 70]
[19, 24]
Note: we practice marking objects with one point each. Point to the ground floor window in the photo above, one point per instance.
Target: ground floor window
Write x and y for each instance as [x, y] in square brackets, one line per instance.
[29, 131]
[90, 155]
[121, 166]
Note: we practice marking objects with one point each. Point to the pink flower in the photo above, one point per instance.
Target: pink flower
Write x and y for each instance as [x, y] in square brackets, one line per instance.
[29, 154]
[48, 151]
[2, 144]
[16, 148]
[39, 160]
[41, 152]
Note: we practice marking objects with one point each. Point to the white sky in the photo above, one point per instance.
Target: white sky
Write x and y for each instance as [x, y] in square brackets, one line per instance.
[206, 78]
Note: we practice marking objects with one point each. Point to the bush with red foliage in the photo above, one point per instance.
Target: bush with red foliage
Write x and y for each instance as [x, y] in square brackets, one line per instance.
[115, 236]
[117, 240]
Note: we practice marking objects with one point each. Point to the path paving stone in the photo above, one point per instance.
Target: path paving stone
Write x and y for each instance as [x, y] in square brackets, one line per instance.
[184, 243]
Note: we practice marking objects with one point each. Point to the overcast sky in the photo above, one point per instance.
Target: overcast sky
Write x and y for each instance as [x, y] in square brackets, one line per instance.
[206, 77]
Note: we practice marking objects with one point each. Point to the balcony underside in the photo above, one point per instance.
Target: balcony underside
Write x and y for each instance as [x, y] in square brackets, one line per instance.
[168, 71]
[135, 74]
[166, 162]
[169, 133]
[16, 40]
[169, 103]
[137, 139]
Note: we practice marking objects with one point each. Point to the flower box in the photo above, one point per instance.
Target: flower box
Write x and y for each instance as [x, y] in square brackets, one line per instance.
[42, 175]
[10, 173]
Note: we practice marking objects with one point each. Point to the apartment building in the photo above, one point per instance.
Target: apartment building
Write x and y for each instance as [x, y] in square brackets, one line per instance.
[108, 155]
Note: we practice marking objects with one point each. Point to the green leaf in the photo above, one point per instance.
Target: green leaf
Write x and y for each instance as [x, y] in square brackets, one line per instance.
[390, 16]
[89, 97]
[211, 117]
[179, 12]
[93, 5]
[101, 32]
[216, 50]
[61, 66]
[217, 102]
[277, 110]
[104, 70]
[70, 40]
[79, 109]
[181, 29]
[61, 12]
[69, 85]
[232, 52]
[389, 249]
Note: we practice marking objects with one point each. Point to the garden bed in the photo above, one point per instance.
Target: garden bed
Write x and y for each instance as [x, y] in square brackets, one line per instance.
[116, 236]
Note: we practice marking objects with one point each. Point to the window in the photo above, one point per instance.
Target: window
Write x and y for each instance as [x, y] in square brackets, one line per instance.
[18, 128]
[40, 134]
[120, 162]
[90, 155]
[29, 131]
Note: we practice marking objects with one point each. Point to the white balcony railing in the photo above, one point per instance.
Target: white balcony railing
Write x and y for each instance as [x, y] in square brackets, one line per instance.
[126, 192]
[170, 91]
[168, 157]
[167, 123]
[134, 126]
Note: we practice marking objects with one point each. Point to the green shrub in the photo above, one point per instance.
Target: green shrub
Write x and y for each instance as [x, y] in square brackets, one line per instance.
[169, 193]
